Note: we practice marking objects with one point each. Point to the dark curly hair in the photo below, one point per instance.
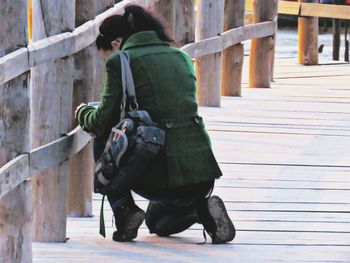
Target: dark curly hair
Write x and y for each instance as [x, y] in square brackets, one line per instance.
[135, 19]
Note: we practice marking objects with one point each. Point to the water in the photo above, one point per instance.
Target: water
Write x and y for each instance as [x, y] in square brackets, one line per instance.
[287, 44]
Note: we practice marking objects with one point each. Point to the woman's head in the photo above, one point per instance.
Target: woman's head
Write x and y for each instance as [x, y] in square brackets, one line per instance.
[116, 29]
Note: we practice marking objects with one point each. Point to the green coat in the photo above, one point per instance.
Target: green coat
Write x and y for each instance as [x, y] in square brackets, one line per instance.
[166, 88]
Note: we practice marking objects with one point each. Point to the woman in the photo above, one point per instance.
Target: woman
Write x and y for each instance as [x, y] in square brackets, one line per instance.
[180, 183]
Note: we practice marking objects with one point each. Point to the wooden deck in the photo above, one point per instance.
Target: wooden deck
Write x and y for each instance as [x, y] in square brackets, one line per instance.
[285, 154]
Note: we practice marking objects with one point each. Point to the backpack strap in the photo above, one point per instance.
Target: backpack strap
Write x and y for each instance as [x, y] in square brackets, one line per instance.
[129, 93]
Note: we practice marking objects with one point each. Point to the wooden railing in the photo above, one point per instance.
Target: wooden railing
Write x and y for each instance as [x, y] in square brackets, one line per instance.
[27, 164]
[308, 12]
[309, 9]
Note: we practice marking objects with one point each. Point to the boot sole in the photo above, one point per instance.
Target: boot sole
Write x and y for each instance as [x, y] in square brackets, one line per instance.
[132, 229]
[225, 230]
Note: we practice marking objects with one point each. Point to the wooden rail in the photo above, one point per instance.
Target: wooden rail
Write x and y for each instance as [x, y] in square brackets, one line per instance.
[65, 44]
[309, 9]
[230, 38]
[40, 159]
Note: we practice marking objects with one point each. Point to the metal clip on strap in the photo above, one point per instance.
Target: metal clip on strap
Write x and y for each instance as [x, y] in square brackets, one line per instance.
[127, 81]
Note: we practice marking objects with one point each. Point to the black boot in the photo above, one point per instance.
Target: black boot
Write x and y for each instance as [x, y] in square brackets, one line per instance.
[213, 215]
[128, 220]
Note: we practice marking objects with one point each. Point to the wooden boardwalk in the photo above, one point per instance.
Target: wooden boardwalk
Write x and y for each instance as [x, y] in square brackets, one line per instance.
[285, 154]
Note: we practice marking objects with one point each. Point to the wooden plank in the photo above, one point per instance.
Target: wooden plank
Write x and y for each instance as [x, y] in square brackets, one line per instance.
[286, 173]
[309, 9]
[289, 8]
[13, 64]
[284, 7]
[50, 48]
[280, 184]
[148, 249]
[229, 38]
[14, 173]
[242, 225]
[327, 11]
[260, 30]
[57, 151]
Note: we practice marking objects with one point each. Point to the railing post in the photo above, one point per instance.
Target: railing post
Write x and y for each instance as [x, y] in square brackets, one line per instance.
[82, 164]
[336, 34]
[166, 9]
[308, 38]
[51, 104]
[101, 6]
[262, 50]
[184, 22]
[210, 23]
[179, 15]
[16, 206]
[232, 63]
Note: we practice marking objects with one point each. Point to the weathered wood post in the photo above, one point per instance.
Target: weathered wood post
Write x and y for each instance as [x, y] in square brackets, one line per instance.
[210, 23]
[232, 63]
[51, 104]
[336, 34]
[16, 206]
[346, 52]
[184, 22]
[82, 164]
[308, 38]
[179, 14]
[262, 50]
[336, 39]
[101, 6]
[166, 9]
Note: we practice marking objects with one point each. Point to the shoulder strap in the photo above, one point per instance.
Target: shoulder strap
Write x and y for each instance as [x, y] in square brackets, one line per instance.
[127, 81]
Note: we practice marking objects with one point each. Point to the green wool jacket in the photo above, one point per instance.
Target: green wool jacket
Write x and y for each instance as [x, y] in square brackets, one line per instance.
[165, 87]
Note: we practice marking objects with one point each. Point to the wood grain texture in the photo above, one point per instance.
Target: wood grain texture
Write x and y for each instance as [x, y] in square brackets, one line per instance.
[232, 60]
[327, 11]
[184, 32]
[308, 38]
[15, 206]
[15, 225]
[101, 6]
[51, 104]
[309, 9]
[262, 50]
[210, 23]
[82, 164]
[14, 173]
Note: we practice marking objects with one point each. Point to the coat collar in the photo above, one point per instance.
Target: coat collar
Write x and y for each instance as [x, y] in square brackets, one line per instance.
[145, 38]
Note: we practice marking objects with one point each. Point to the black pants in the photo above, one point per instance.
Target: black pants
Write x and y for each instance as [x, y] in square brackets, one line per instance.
[170, 211]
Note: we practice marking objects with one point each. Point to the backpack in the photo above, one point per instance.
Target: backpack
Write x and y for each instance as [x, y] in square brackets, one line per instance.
[133, 143]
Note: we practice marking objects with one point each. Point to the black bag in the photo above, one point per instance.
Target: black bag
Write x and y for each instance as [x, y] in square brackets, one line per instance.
[133, 143]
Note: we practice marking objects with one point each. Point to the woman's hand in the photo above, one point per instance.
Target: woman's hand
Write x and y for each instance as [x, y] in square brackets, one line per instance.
[78, 108]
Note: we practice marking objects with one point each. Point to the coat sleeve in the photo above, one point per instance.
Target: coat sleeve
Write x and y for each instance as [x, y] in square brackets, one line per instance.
[101, 120]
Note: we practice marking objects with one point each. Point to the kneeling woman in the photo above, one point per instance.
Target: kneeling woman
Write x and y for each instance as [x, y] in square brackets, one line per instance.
[180, 181]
